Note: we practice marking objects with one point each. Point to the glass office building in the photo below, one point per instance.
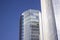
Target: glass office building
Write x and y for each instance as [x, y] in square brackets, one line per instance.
[29, 25]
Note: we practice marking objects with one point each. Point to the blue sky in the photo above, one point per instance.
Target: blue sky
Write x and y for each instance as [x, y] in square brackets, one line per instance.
[10, 11]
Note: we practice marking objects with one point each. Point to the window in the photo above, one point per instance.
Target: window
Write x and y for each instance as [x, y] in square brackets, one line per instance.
[37, 17]
[34, 38]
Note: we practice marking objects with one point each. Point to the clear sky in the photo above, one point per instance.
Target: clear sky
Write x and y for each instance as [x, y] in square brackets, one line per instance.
[10, 11]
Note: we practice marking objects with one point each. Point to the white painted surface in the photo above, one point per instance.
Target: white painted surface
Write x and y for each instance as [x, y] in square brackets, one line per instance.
[56, 4]
[40, 27]
[48, 20]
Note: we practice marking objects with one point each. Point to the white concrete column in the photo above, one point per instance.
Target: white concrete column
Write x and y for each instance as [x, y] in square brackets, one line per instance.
[40, 27]
[48, 20]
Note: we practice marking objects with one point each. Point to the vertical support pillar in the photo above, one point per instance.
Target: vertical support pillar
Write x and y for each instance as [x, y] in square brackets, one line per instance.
[48, 20]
